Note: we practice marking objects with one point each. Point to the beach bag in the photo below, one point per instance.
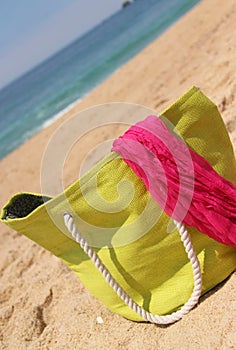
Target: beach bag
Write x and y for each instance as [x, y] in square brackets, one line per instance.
[129, 245]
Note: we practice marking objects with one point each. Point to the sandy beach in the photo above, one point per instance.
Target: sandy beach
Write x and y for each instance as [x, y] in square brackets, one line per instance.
[42, 303]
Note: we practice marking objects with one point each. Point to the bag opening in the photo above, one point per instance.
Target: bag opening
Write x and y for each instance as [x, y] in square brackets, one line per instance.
[23, 204]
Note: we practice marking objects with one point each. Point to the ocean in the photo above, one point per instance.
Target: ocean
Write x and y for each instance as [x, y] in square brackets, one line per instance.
[36, 99]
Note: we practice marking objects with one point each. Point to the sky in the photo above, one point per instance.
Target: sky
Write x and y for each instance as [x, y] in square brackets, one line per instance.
[31, 31]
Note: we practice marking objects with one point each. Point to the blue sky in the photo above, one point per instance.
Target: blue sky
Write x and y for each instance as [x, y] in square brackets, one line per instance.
[30, 30]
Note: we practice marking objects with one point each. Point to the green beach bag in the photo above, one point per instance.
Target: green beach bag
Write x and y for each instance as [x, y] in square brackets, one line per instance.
[125, 249]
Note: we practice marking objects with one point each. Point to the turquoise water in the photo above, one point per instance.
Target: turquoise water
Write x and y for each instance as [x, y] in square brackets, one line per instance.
[32, 101]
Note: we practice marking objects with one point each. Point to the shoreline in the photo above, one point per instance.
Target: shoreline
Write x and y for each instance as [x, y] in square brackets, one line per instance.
[199, 49]
[38, 114]
[60, 114]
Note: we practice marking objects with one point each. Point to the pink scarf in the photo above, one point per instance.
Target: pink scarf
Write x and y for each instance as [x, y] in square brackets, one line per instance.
[182, 182]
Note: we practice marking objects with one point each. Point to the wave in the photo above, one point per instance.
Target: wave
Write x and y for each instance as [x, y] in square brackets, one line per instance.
[60, 114]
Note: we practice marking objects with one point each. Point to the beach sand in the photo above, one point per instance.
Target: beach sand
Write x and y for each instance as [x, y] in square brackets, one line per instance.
[42, 303]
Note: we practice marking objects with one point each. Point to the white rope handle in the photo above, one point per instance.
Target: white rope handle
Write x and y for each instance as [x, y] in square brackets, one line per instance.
[147, 316]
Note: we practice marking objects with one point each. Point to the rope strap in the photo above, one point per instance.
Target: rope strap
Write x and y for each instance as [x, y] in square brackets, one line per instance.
[147, 316]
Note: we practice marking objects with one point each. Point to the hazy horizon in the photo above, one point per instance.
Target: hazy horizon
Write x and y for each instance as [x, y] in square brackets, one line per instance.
[38, 31]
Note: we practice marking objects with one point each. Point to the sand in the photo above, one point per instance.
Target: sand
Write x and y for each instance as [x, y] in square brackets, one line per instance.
[42, 303]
